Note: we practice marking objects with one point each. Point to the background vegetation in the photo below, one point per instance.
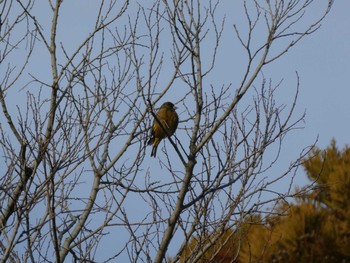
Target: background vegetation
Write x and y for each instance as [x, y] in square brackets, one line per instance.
[80, 83]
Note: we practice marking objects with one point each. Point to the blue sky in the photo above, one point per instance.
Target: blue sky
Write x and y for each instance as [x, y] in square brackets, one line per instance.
[323, 64]
[322, 61]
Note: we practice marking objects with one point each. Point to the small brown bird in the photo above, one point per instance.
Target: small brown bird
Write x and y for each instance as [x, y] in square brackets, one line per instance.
[169, 120]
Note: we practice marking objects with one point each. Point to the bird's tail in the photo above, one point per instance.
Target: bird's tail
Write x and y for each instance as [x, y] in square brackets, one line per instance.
[154, 151]
[154, 148]
[150, 141]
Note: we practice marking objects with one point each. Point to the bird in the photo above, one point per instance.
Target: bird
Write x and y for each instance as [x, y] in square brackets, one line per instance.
[169, 120]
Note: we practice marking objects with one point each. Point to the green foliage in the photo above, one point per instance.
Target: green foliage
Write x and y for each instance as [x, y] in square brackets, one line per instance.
[316, 228]
[223, 250]
[331, 169]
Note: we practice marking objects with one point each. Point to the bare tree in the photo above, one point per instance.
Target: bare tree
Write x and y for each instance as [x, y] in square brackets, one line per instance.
[76, 114]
